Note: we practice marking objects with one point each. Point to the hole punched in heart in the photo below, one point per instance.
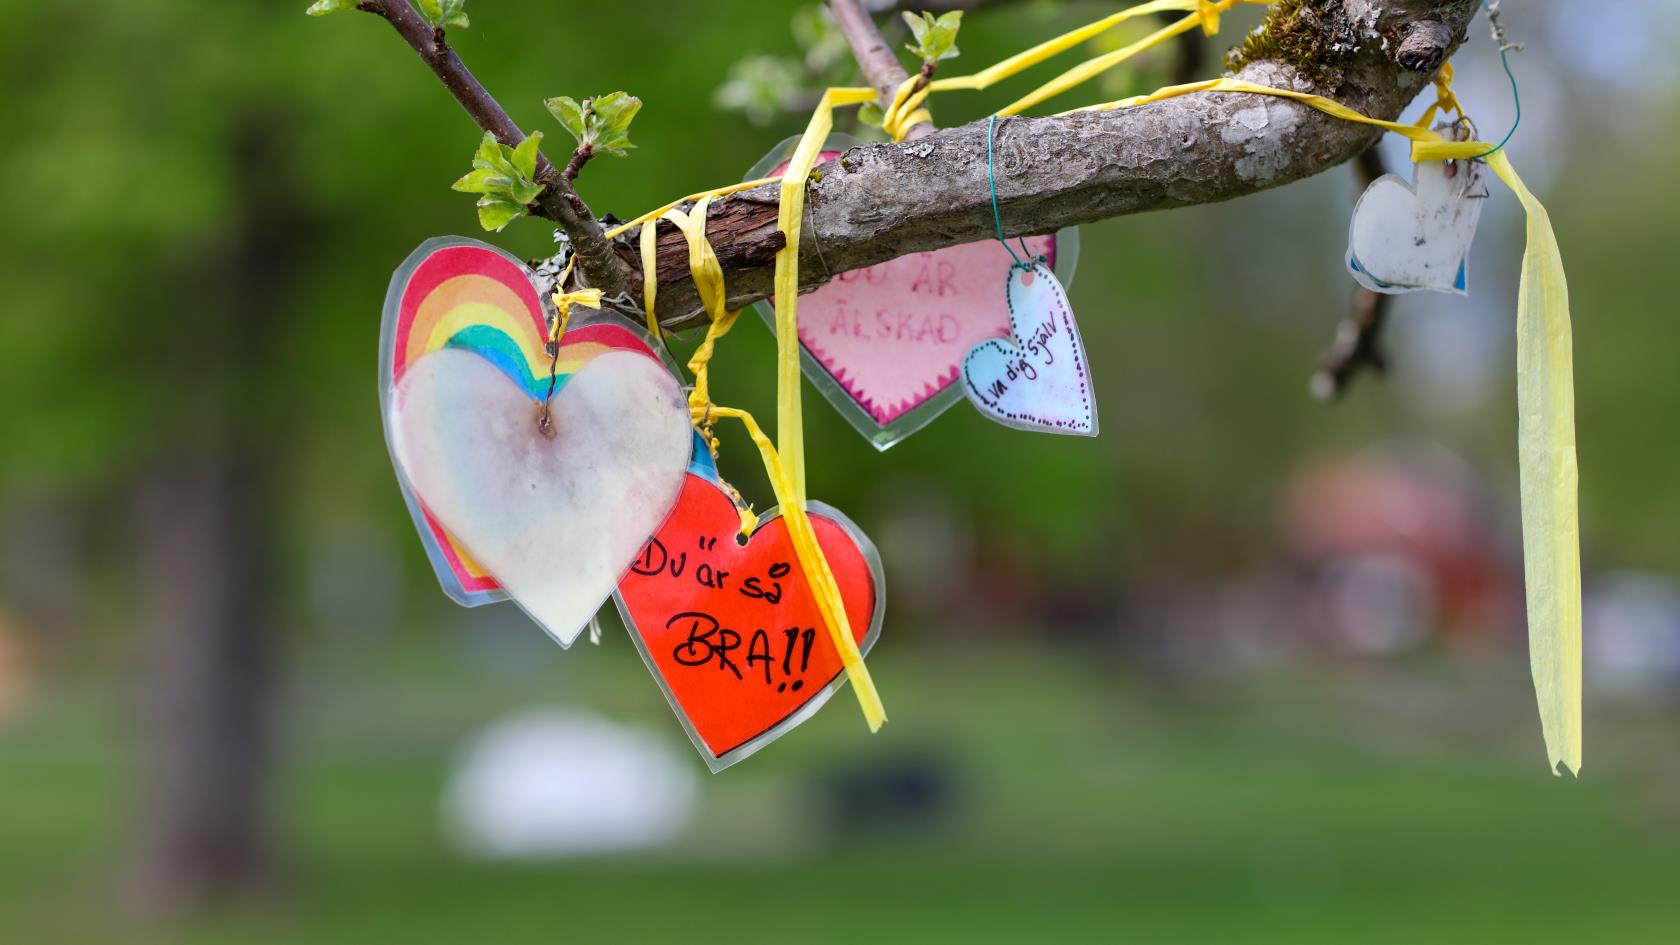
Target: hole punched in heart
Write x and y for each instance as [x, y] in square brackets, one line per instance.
[545, 422]
[1460, 129]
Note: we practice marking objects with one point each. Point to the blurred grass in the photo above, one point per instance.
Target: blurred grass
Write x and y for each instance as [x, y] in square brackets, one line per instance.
[1090, 804]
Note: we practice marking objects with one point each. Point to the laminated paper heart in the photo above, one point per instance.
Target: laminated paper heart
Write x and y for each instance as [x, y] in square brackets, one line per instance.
[1039, 379]
[550, 519]
[885, 344]
[732, 631]
[1404, 239]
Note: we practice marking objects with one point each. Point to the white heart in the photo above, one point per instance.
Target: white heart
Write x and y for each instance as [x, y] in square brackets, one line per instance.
[555, 519]
[1039, 379]
[1403, 239]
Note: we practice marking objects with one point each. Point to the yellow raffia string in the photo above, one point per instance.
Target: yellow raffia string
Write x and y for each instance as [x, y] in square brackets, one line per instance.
[1025, 60]
[650, 276]
[708, 281]
[1092, 68]
[790, 436]
[906, 108]
[563, 302]
[1445, 98]
[905, 111]
[724, 191]
[1210, 11]
[811, 558]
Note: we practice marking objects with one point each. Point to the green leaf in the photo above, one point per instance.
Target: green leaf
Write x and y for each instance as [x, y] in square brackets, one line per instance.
[489, 155]
[481, 181]
[936, 38]
[615, 110]
[524, 157]
[453, 14]
[602, 123]
[323, 7]
[568, 113]
[919, 23]
[494, 213]
[505, 179]
[525, 193]
[431, 11]
[870, 114]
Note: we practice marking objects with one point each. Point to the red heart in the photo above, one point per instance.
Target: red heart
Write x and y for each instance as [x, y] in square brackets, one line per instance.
[732, 631]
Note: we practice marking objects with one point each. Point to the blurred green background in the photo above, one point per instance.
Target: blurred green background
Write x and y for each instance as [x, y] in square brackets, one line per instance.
[1244, 667]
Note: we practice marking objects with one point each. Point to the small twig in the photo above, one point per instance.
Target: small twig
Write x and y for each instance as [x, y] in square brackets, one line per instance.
[1357, 344]
[1498, 28]
[585, 149]
[580, 157]
[602, 268]
[880, 66]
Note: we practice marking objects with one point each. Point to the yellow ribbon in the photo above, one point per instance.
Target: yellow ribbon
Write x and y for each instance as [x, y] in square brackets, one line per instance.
[906, 112]
[790, 436]
[906, 108]
[1209, 12]
[563, 302]
[1546, 463]
[708, 282]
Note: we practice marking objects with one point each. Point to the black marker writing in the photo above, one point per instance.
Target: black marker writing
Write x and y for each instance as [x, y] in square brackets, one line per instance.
[700, 648]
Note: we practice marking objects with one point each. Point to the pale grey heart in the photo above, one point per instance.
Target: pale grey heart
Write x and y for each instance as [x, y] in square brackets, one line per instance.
[555, 519]
[1417, 236]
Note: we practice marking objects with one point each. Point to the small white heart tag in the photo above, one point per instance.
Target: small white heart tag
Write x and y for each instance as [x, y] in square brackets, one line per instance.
[1039, 380]
[1404, 238]
[556, 519]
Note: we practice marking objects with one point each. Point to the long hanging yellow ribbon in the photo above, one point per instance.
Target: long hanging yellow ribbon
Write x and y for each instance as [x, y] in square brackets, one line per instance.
[708, 281]
[1546, 465]
[1546, 462]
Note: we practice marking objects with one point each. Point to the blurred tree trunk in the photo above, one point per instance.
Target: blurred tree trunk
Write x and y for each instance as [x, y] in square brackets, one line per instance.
[208, 683]
[206, 529]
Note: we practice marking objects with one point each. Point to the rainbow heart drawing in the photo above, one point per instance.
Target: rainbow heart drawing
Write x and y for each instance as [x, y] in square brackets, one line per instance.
[504, 509]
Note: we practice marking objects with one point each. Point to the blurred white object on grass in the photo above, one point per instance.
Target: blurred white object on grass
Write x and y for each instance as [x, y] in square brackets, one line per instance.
[551, 783]
[1632, 637]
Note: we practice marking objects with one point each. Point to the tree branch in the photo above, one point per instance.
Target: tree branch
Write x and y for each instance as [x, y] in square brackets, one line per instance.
[559, 202]
[1358, 342]
[881, 201]
[880, 65]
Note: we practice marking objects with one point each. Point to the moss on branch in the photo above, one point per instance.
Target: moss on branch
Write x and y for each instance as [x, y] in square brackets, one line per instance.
[1316, 37]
